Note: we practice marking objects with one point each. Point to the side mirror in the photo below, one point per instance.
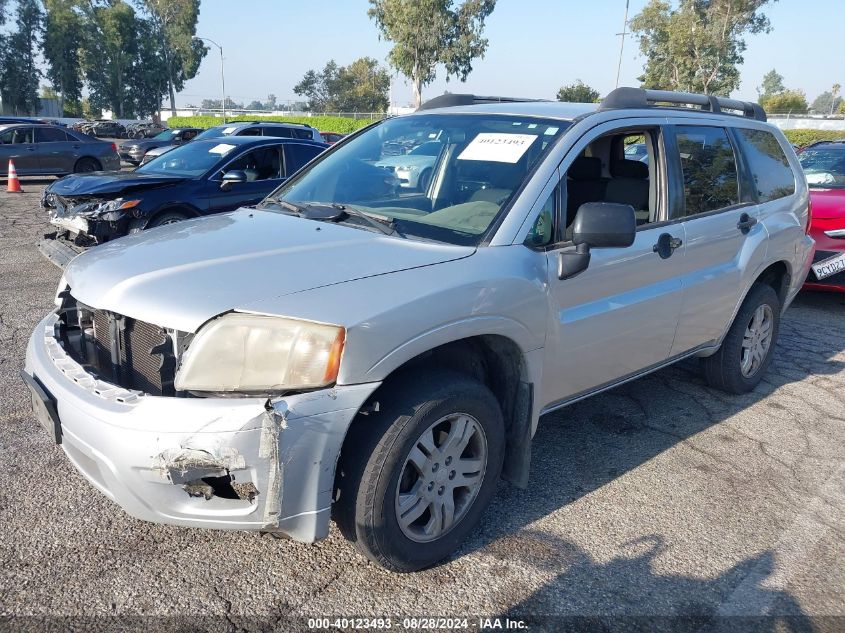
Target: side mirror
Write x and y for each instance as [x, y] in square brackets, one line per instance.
[597, 225]
[231, 178]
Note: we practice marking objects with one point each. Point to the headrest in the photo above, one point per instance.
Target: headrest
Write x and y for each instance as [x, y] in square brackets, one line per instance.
[585, 168]
[629, 169]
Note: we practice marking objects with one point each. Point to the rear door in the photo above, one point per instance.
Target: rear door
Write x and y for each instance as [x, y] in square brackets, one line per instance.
[17, 144]
[263, 167]
[724, 238]
[55, 152]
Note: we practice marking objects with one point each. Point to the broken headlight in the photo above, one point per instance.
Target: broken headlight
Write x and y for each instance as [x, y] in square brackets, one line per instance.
[114, 210]
[252, 353]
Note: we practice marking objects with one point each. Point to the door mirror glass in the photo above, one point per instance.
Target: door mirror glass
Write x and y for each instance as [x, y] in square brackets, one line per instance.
[231, 178]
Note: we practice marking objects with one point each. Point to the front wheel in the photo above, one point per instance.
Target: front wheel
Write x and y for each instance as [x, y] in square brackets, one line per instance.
[416, 476]
[747, 350]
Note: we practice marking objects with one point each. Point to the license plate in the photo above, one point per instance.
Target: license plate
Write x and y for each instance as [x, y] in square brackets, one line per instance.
[44, 408]
[829, 266]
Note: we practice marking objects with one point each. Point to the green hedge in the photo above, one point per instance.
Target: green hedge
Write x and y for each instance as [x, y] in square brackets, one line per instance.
[342, 125]
[805, 137]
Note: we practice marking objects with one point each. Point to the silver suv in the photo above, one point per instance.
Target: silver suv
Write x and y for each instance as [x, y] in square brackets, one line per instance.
[357, 349]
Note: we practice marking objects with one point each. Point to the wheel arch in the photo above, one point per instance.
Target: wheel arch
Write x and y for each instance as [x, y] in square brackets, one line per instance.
[181, 207]
[496, 361]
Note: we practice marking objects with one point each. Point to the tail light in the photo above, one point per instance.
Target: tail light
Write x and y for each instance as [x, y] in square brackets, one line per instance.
[809, 216]
[114, 147]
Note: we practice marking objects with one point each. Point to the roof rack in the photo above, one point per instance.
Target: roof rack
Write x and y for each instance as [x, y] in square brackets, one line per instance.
[448, 100]
[622, 98]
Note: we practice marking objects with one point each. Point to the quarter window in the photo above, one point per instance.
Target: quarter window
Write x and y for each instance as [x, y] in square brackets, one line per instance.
[542, 233]
[709, 168]
[773, 177]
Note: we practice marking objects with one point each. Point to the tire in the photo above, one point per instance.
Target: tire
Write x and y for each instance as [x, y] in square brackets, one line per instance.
[85, 165]
[376, 465]
[424, 180]
[725, 370]
[168, 217]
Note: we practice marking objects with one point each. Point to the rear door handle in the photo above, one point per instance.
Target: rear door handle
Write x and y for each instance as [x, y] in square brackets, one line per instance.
[666, 245]
[745, 222]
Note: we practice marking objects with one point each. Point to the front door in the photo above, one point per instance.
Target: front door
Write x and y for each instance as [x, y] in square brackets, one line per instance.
[56, 154]
[618, 317]
[17, 144]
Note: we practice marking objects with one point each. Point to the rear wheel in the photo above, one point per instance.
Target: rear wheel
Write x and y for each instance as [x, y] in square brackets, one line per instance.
[84, 165]
[416, 475]
[747, 350]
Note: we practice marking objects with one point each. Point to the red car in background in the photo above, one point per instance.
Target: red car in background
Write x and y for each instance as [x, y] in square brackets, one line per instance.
[824, 166]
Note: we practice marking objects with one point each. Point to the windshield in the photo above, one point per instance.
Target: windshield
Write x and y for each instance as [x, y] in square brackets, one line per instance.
[824, 168]
[187, 161]
[165, 136]
[444, 177]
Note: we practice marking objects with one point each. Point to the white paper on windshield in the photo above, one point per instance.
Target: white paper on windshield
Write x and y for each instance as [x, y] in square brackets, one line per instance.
[499, 148]
[222, 148]
[229, 130]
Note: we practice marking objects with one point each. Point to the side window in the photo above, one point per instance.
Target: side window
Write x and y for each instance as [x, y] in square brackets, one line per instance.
[49, 135]
[542, 233]
[187, 135]
[621, 168]
[296, 155]
[773, 177]
[302, 133]
[277, 131]
[709, 169]
[17, 135]
[6, 138]
[250, 131]
[263, 163]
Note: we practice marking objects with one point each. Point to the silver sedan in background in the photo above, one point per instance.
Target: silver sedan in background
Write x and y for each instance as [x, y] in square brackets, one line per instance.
[50, 150]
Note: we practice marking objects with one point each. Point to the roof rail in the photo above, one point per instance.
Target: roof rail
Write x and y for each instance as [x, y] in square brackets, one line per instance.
[622, 98]
[448, 100]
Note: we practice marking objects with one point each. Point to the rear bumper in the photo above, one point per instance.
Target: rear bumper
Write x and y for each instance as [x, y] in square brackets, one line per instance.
[175, 460]
[111, 162]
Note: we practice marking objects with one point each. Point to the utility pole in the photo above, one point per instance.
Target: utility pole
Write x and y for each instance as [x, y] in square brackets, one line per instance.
[622, 43]
[222, 75]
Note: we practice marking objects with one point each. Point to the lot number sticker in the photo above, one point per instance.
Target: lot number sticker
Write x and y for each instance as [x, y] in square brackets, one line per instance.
[499, 148]
[222, 148]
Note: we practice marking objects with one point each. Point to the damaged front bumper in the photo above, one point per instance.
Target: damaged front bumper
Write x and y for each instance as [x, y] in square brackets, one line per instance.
[225, 463]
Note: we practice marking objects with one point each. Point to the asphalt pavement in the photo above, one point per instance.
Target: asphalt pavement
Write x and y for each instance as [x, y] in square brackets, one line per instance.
[662, 504]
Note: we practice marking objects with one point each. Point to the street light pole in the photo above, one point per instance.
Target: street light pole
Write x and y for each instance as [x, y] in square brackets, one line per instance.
[222, 73]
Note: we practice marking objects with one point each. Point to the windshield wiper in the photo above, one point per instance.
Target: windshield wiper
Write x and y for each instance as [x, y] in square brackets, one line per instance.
[289, 207]
[380, 222]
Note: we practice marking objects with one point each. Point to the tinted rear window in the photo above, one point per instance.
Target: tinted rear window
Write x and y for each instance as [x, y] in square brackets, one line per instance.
[769, 166]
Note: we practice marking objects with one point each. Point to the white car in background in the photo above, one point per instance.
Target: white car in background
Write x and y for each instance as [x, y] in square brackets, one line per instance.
[414, 168]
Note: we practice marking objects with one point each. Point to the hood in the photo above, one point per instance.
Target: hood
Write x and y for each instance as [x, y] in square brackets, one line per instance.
[183, 274]
[828, 204]
[108, 182]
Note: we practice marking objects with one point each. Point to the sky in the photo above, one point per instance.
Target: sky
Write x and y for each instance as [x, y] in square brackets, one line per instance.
[536, 46]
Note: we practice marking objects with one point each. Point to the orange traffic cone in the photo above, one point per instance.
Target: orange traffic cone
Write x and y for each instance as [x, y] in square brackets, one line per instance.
[14, 185]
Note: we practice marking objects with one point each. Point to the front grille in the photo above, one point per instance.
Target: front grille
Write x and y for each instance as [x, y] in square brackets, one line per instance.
[127, 352]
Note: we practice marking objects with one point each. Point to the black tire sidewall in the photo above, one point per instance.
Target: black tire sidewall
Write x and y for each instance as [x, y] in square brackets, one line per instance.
[377, 526]
[161, 218]
[85, 161]
[726, 364]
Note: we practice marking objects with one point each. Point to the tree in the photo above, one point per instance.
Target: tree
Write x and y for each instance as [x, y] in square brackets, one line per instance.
[255, 105]
[19, 73]
[362, 86]
[109, 52]
[271, 102]
[772, 84]
[215, 104]
[825, 103]
[60, 47]
[428, 33]
[149, 73]
[786, 102]
[698, 46]
[579, 92]
[174, 27]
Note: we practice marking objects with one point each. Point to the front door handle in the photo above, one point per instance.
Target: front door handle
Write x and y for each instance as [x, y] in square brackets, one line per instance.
[666, 245]
[745, 223]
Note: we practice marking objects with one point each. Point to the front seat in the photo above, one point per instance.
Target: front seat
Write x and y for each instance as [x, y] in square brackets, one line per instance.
[629, 185]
